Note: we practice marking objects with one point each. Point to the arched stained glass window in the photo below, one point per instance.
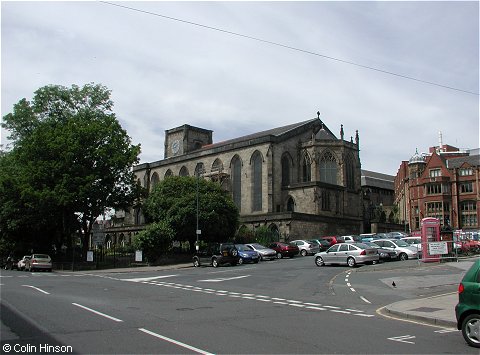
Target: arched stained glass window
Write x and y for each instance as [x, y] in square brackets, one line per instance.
[286, 170]
[306, 168]
[328, 168]
[290, 205]
[183, 171]
[155, 180]
[237, 181]
[257, 181]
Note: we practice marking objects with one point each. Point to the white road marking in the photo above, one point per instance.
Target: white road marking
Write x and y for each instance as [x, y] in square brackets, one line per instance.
[140, 279]
[365, 300]
[97, 312]
[352, 289]
[224, 279]
[403, 339]
[176, 342]
[38, 289]
[442, 331]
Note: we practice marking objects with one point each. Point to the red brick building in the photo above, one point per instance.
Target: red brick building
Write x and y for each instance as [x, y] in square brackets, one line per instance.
[444, 184]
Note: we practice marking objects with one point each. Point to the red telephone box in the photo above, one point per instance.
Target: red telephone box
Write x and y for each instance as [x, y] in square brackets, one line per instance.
[430, 234]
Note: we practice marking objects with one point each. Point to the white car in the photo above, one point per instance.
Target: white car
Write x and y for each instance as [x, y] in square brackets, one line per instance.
[404, 250]
[22, 261]
[414, 242]
[306, 247]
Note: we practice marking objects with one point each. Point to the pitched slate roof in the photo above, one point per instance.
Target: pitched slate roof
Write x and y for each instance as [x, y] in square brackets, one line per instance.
[383, 181]
[270, 134]
[472, 160]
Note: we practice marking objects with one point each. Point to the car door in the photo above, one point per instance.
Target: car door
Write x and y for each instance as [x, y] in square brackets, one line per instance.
[330, 255]
[342, 254]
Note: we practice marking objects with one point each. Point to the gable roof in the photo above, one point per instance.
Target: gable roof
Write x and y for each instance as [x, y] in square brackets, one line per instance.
[472, 160]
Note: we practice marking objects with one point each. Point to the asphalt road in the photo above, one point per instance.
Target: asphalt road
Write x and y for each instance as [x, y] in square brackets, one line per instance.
[287, 306]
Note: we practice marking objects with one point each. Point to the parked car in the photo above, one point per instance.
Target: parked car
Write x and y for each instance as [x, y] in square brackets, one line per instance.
[21, 263]
[351, 254]
[383, 254]
[331, 239]
[306, 247]
[322, 243]
[38, 262]
[467, 311]
[246, 254]
[367, 237]
[397, 235]
[349, 239]
[414, 242]
[284, 249]
[10, 263]
[216, 254]
[264, 252]
[403, 250]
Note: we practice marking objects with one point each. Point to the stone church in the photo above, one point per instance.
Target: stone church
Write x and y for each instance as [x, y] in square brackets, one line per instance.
[299, 180]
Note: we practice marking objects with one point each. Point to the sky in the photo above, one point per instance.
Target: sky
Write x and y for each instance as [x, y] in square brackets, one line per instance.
[243, 67]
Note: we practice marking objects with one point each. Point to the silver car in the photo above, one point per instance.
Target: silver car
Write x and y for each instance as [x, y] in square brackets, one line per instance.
[39, 262]
[306, 247]
[347, 253]
[404, 250]
[264, 252]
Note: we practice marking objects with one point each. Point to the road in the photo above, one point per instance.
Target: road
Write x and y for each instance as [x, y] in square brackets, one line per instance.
[274, 307]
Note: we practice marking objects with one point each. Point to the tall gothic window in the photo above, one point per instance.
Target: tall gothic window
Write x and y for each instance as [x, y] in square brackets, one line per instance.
[168, 173]
[237, 181]
[285, 170]
[199, 169]
[328, 168]
[290, 205]
[306, 168]
[154, 180]
[257, 181]
[350, 172]
[325, 200]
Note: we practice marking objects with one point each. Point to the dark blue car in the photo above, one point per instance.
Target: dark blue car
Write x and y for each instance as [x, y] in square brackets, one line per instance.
[246, 254]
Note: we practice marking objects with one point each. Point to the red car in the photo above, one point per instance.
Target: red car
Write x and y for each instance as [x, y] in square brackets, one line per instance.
[332, 239]
[284, 249]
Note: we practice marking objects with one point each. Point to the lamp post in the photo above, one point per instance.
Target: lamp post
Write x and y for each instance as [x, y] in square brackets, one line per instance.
[198, 231]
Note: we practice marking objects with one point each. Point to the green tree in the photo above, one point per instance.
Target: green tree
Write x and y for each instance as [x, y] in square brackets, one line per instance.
[71, 159]
[175, 200]
[155, 240]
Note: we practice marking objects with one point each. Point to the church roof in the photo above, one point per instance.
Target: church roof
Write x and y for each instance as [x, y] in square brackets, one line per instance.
[270, 134]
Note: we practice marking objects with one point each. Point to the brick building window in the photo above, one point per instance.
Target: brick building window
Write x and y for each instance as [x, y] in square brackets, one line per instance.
[465, 172]
[468, 214]
[435, 173]
[466, 187]
[434, 189]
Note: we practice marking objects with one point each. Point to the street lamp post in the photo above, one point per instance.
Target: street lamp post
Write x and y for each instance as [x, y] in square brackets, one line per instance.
[198, 231]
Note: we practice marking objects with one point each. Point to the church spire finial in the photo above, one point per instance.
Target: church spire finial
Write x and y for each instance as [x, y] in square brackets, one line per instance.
[318, 114]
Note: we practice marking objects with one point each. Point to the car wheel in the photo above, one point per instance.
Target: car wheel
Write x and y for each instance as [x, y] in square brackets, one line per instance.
[471, 330]
[214, 262]
[261, 257]
[240, 261]
[303, 252]
[351, 262]
[234, 252]
[319, 261]
[403, 256]
[196, 262]
[279, 255]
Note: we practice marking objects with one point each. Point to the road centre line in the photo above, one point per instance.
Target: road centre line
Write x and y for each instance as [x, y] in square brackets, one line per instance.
[176, 342]
[97, 312]
[38, 289]
[262, 298]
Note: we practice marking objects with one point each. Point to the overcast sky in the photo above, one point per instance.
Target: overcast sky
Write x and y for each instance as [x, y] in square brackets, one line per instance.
[164, 73]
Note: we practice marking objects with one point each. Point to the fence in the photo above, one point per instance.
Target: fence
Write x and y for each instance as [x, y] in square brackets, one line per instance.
[448, 250]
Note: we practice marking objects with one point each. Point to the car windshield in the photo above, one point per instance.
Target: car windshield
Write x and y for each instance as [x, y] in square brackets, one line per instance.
[258, 246]
[372, 245]
[242, 247]
[313, 241]
[41, 256]
[400, 243]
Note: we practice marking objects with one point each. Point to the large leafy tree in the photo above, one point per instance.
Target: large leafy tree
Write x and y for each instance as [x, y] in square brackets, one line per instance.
[175, 200]
[71, 160]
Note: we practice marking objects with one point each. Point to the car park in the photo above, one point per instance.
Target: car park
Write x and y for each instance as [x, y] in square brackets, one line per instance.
[367, 237]
[284, 249]
[467, 310]
[306, 247]
[264, 252]
[21, 263]
[396, 235]
[216, 254]
[383, 254]
[246, 254]
[38, 262]
[350, 254]
[404, 250]
[349, 239]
